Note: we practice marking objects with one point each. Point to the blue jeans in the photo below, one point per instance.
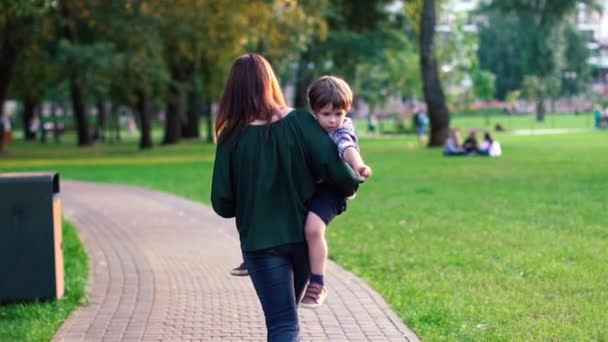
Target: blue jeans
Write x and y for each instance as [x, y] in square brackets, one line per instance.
[279, 275]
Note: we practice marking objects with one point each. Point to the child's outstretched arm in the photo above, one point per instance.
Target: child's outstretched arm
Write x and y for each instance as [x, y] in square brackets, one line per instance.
[346, 140]
[353, 158]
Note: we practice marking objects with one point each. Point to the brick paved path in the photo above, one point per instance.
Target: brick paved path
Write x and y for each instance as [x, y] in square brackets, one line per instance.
[159, 271]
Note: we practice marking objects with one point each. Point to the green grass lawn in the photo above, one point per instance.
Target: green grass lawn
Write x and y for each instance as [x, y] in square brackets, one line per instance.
[463, 248]
[509, 122]
[38, 321]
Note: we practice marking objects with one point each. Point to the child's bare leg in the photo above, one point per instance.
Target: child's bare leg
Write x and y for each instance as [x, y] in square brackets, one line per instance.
[315, 293]
[317, 246]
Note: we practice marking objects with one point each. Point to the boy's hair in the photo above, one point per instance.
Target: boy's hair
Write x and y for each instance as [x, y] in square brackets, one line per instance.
[330, 90]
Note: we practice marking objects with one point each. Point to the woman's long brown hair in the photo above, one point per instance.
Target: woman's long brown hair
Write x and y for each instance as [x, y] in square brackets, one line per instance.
[252, 93]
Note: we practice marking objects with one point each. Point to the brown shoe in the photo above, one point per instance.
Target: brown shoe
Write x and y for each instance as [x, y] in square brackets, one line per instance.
[314, 296]
[241, 270]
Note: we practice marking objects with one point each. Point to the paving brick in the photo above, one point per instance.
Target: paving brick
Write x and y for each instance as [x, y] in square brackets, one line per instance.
[159, 272]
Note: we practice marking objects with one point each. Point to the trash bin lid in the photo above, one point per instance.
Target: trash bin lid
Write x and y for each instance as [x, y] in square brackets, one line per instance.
[31, 177]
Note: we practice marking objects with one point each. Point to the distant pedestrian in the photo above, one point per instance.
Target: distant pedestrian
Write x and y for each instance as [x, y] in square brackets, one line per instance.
[7, 133]
[267, 162]
[597, 115]
[372, 122]
[421, 121]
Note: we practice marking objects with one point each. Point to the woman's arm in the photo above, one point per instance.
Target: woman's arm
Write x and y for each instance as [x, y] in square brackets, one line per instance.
[222, 194]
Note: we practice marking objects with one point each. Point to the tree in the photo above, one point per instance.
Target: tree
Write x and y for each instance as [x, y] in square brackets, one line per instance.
[16, 21]
[138, 66]
[74, 15]
[202, 37]
[392, 72]
[577, 71]
[433, 93]
[543, 56]
[36, 71]
[349, 40]
[462, 76]
[502, 47]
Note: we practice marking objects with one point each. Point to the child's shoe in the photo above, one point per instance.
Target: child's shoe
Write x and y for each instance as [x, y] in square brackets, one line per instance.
[314, 296]
[241, 270]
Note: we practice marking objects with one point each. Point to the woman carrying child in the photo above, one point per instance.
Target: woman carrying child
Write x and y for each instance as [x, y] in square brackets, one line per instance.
[269, 158]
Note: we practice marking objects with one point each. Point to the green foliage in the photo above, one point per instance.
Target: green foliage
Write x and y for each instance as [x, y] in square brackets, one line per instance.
[464, 79]
[392, 71]
[26, 8]
[357, 34]
[577, 71]
[483, 85]
[529, 38]
[530, 88]
[37, 71]
[501, 48]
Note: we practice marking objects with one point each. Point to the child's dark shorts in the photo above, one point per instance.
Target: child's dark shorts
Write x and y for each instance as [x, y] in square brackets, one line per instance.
[327, 203]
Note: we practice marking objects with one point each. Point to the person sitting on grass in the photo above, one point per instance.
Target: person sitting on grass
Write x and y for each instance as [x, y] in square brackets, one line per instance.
[470, 144]
[489, 147]
[452, 145]
[330, 98]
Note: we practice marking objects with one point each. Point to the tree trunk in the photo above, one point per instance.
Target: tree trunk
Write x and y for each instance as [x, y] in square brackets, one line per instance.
[207, 103]
[80, 113]
[433, 94]
[190, 129]
[540, 108]
[143, 108]
[303, 80]
[8, 57]
[173, 117]
[114, 125]
[99, 133]
[29, 110]
[56, 129]
[76, 86]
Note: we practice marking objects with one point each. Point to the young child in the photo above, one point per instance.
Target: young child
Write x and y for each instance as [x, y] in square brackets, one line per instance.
[330, 98]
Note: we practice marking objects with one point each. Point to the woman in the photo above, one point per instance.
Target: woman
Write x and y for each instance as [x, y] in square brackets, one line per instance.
[489, 146]
[268, 159]
[452, 145]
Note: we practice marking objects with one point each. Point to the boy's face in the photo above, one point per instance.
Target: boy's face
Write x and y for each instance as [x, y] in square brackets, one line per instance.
[329, 118]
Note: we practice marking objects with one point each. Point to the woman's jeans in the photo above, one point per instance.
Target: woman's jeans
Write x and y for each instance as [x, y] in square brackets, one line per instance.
[279, 275]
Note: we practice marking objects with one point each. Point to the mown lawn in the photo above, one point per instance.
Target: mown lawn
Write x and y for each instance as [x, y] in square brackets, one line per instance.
[464, 249]
[518, 122]
[38, 321]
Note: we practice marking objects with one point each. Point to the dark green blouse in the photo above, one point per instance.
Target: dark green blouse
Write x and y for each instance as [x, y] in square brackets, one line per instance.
[266, 181]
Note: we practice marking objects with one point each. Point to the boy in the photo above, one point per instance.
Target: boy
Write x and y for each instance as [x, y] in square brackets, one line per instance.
[330, 98]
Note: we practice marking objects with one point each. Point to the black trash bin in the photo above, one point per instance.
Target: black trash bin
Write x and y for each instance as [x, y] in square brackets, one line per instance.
[31, 249]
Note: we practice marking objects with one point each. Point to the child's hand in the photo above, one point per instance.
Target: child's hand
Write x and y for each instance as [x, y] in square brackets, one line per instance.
[363, 172]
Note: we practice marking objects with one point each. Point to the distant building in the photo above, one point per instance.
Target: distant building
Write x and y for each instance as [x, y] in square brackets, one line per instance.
[595, 23]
